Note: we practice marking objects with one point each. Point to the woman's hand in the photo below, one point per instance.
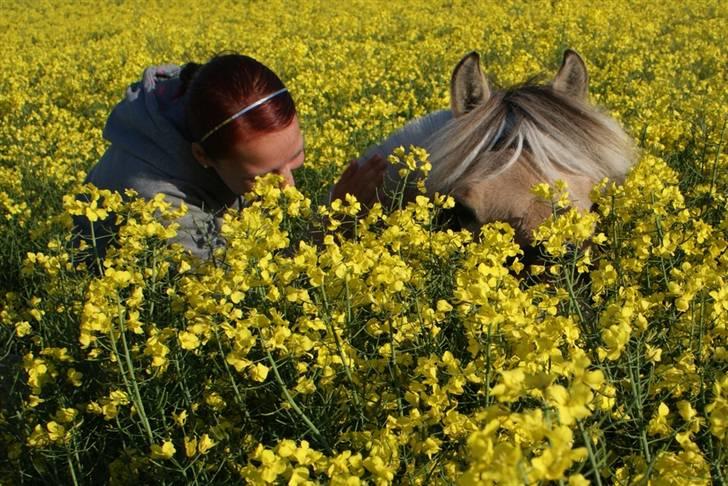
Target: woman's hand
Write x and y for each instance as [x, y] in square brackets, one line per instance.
[361, 181]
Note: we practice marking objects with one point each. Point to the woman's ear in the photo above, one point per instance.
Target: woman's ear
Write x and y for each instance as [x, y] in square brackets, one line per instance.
[199, 153]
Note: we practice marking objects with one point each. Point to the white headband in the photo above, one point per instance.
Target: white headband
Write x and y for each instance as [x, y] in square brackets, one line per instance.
[242, 112]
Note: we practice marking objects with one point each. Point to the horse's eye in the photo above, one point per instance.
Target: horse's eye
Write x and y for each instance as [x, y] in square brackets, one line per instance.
[464, 215]
[456, 218]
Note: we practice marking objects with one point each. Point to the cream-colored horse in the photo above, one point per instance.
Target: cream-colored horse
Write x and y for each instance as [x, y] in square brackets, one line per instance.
[502, 142]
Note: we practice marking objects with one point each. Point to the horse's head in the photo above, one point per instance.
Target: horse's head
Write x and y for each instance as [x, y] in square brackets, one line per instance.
[502, 142]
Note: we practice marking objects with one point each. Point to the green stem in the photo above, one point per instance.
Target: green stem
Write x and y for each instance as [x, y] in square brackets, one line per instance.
[293, 403]
[96, 251]
[238, 397]
[130, 366]
[347, 371]
[592, 457]
[73, 471]
[117, 356]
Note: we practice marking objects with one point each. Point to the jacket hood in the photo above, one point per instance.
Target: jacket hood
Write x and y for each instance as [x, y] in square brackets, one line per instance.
[150, 124]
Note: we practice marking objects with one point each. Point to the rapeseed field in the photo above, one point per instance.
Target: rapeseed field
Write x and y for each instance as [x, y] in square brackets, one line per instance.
[399, 352]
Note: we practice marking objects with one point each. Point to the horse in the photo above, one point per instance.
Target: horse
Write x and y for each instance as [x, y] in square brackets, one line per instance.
[499, 143]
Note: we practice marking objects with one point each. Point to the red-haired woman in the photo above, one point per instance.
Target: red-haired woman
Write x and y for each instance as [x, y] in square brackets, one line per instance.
[201, 134]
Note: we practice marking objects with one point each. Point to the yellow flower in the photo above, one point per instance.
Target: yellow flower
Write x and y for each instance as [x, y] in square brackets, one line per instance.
[56, 431]
[23, 328]
[74, 377]
[215, 401]
[286, 448]
[430, 446]
[559, 457]
[40, 372]
[190, 446]
[164, 451]
[205, 444]
[717, 410]
[511, 385]
[38, 438]
[180, 418]
[571, 403]
[188, 340]
[258, 372]
[66, 415]
[119, 397]
[659, 424]
[443, 306]
[94, 213]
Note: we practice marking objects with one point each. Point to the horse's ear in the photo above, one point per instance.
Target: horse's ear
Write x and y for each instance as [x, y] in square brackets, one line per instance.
[468, 86]
[572, 78]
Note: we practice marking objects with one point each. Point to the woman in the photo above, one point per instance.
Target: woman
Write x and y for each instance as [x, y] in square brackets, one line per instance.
[202, 134]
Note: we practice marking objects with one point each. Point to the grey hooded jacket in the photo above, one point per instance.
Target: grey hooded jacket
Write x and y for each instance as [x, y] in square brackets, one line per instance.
[151, 153]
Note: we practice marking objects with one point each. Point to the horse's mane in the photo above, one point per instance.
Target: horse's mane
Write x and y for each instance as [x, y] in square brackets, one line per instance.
[557, 133]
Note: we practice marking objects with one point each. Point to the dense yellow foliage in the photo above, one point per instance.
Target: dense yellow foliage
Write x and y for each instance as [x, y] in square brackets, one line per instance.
[397, 355]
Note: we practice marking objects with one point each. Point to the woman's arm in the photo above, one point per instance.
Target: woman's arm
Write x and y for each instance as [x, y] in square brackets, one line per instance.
[364, 176]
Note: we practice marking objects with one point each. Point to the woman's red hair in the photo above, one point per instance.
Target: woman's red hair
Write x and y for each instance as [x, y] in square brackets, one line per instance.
[223, 86]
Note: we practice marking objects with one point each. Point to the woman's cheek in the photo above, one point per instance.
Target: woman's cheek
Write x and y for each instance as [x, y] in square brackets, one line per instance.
[239, 184]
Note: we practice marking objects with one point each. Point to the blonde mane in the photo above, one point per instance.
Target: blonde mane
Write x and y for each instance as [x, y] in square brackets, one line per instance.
[551, 132]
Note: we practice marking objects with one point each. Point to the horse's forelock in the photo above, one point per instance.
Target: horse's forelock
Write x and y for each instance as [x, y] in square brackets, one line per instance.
[561, 134]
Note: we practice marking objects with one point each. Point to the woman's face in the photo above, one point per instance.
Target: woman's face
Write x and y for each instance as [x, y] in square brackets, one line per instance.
[279, 152]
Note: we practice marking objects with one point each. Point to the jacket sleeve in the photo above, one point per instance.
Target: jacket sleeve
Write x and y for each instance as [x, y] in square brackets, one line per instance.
[198, 231]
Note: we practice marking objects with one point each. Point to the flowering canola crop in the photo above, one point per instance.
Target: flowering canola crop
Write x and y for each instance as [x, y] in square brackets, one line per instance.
[397, 354]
